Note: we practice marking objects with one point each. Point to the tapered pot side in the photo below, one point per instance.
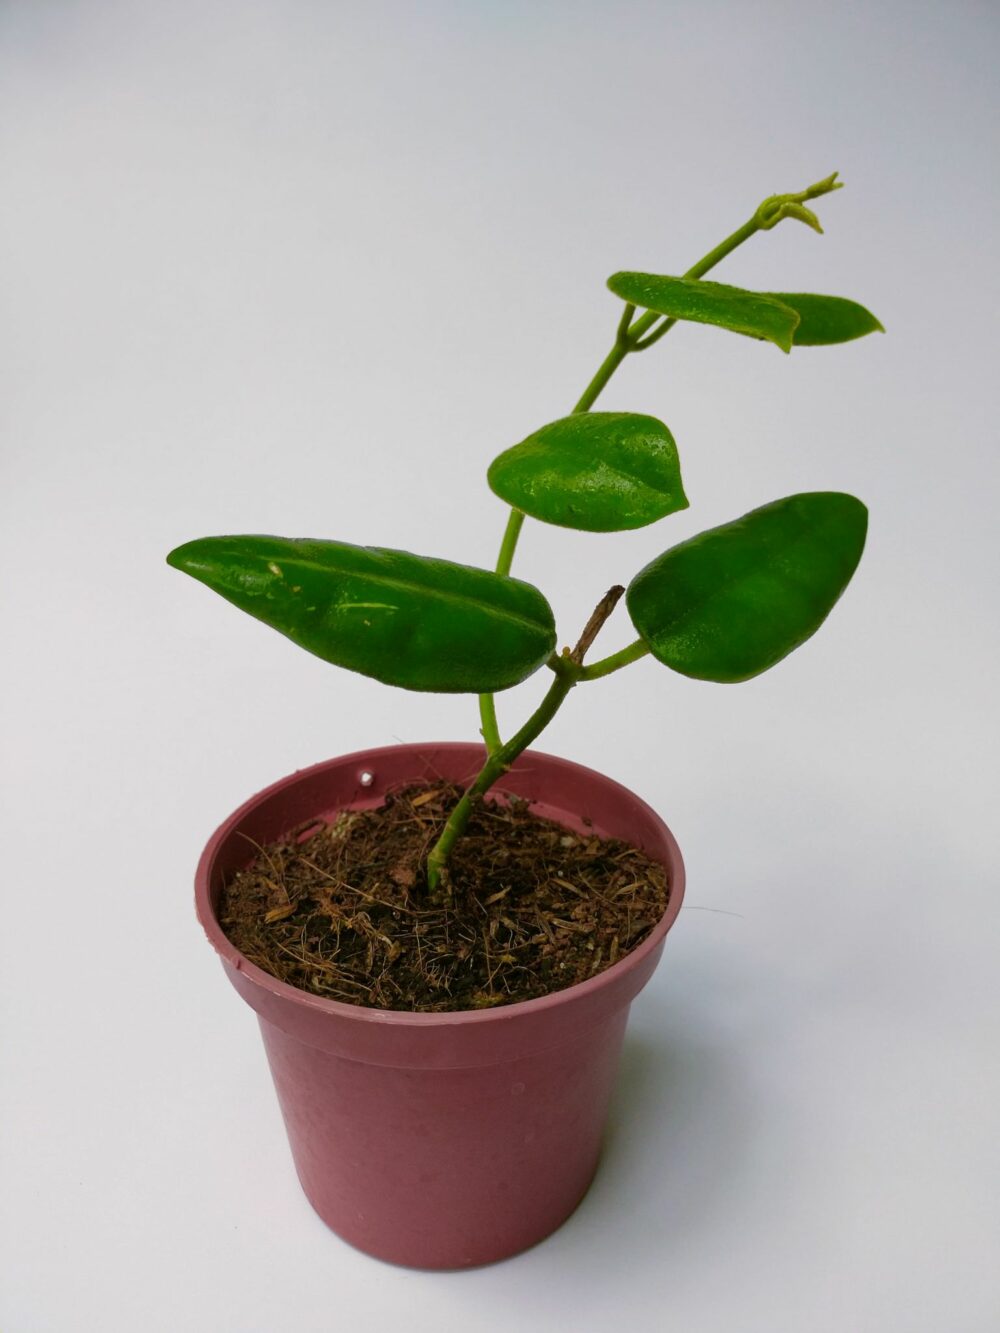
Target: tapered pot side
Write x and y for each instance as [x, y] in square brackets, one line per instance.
[442, 1140]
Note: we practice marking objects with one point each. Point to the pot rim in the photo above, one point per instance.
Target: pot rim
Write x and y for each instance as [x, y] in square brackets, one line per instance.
[402, 1018]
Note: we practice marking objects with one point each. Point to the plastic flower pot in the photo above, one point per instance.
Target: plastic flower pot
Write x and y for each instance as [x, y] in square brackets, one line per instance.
[442, 1140]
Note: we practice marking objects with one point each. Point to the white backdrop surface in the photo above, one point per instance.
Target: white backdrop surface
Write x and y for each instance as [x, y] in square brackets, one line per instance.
[306, 269]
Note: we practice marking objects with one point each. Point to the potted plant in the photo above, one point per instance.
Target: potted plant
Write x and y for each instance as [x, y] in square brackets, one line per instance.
[459, 1130]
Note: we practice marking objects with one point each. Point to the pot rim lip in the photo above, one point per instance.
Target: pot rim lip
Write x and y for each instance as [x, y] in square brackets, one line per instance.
[404, 1018]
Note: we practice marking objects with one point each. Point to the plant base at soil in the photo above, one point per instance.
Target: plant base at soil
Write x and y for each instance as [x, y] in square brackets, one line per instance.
[342, 909]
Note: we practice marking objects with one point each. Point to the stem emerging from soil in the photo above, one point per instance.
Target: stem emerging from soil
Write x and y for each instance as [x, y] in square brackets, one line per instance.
[568, 668]
[496, 765]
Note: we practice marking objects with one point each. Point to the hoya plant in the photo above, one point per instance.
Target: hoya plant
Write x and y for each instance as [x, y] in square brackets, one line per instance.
[723, 606]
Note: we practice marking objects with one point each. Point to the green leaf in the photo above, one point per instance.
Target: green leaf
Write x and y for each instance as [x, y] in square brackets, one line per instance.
[753, 313]
[733, 601]
[596, 471]
[827, 319]
[404, 619]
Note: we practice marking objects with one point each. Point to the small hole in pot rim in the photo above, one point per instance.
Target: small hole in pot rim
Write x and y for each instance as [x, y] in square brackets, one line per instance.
[366, 777]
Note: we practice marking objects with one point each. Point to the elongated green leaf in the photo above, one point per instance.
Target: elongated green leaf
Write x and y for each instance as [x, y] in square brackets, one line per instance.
[596, 471]
[735, 600]
[405, 619]
[752, 313]
[827, 319]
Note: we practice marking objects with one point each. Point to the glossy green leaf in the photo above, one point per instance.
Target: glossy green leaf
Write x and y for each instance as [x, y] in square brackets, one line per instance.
[406, 620]
[596, 471]
[753, 313]
[733, 601]
[827, 319]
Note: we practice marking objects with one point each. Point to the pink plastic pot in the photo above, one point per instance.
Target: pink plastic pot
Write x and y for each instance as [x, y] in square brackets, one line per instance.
[442, 1140]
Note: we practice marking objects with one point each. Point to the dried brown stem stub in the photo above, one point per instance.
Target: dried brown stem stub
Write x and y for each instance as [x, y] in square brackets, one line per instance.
[596, 622]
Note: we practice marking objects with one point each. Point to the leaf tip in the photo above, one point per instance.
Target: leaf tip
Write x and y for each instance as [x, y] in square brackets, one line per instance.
[193, 557]
[179, 557]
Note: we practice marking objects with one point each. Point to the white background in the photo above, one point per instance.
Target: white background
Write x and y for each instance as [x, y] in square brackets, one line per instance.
[306, 268]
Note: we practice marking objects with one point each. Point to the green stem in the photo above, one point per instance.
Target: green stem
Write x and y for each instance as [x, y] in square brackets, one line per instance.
[496, 765]
[615, 662]
[488, 718]
[724, 248]
[607, 368]
[655, 336]
[515, 522]
[487, 705]
[631, 337]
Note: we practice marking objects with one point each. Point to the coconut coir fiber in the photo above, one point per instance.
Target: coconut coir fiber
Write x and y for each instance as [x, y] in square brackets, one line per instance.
[342, 910]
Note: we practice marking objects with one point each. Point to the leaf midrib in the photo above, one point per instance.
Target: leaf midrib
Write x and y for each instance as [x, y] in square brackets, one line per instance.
[384, 580]
[739, 295]
[636, 480]
[633, 477]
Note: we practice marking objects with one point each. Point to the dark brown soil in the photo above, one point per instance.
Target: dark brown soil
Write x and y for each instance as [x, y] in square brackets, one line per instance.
[344, 912]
